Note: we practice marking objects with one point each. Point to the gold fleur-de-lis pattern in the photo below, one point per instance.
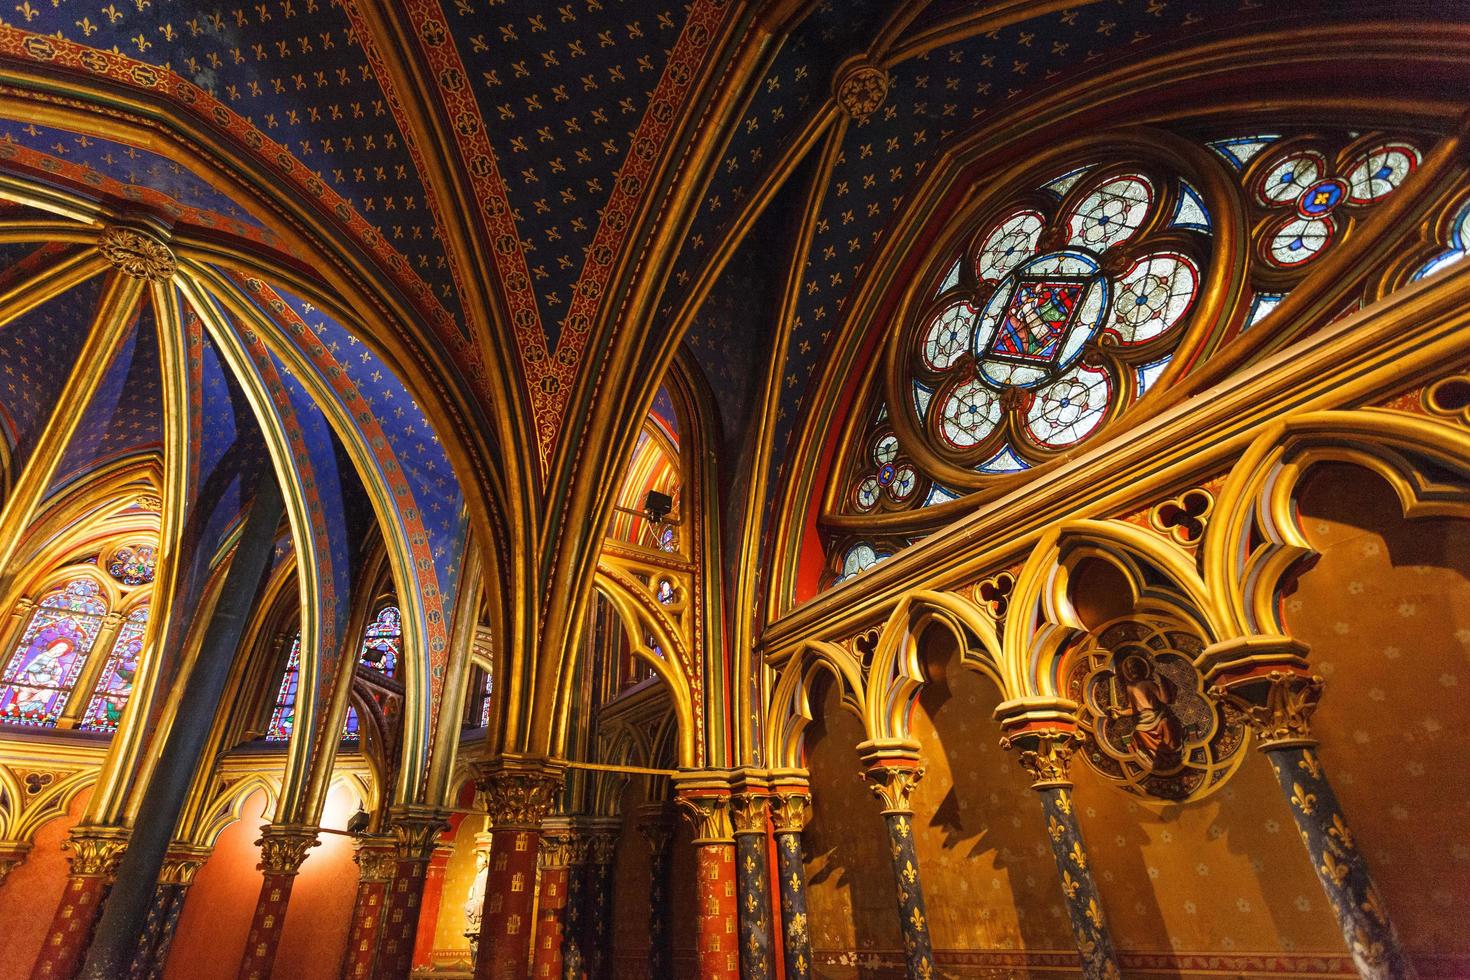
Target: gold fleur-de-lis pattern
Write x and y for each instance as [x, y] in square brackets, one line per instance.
[795, 934]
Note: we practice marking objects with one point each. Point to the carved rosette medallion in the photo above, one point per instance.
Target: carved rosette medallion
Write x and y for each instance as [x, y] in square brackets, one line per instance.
[861, 90]
[137, 254]
[1145, 715]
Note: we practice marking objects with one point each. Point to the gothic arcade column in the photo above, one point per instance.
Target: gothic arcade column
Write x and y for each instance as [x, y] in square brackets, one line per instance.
[1268, 678]
[416, 831]
[1046, 735]
[656, 824]
[282, 849]
[551, 908]
[597, 896]
[518, 791]
[95, 853]
[892, 770]
[705, 800]
[789, 801]
[180, 865]
[749, 807]
[375, 860]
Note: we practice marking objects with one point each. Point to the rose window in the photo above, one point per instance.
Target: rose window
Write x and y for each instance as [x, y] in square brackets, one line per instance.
[1062, 309]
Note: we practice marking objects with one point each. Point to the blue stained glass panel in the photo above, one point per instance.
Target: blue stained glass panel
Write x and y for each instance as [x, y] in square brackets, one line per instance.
[382, 644]
[116, 683]
[283, 716]
[38, 681]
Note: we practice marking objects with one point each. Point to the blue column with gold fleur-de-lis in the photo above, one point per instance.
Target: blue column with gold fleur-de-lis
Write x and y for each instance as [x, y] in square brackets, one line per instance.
[748, 813]
[656, 824]
[789, 802]
[1268, 678]
[892, 770]
[1046, 738]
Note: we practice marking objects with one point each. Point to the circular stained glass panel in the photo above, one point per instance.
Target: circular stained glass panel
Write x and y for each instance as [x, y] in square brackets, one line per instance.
[133, 564]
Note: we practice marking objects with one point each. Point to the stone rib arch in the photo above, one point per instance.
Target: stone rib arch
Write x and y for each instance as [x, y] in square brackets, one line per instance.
[791, 707]
[1256, 505]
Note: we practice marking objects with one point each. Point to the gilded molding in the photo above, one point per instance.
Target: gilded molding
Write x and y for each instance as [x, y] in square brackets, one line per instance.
[283, 847]
[137, 254]
[556, 849]
[1268, 678]
[12, 856]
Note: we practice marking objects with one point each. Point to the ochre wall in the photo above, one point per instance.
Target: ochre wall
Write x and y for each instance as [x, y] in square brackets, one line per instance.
[216, 918]
[451, 945]
[1386, 610]
[31, 893]
[850, 896]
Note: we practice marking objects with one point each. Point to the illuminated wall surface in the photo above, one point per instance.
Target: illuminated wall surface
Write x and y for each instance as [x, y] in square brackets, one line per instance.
[465, 466]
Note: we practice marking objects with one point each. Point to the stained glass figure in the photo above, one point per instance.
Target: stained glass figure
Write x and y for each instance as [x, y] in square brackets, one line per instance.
[133, 564]
[283, 716]
[485, 699]
[350, 725]
[116, 683]
[382, 643]
[665, 593]
[38, 681]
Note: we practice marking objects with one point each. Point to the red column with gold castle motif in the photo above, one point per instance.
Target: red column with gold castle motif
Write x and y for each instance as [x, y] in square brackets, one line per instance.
[375, 860]
[416, 830]
[705, 801]
[282, 849]
[551, 909]
[518, 791]
[95, 852]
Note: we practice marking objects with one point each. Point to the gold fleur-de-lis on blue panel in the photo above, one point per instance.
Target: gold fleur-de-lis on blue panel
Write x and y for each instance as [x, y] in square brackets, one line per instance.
[1340, 830]
[1302, 800]
[1309, 764]
[1333, 870]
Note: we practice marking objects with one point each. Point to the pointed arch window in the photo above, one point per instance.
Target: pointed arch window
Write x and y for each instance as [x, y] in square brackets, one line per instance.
[43, 668]
[116, 682]
[382, 643]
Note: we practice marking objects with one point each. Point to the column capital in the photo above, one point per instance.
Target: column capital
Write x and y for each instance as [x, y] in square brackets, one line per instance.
[95, 851]
[656, 824]
[518, 790]
[12, 855]
[748, 813]
[182, 863]
[416, 830]
[557, 837]
[1044, 730]
[704, 799]
[375, 857]
[283, 847]
[892, 770]
[789, 808]
[1269, 679]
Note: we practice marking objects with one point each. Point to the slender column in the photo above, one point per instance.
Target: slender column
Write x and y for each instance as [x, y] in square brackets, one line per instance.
[433, 896]
[1269, 679]
[574, 933]
[282, 849]
[657, 827]
[705, 801]
[892, 771]
[789, 805]
[518, 792]
[181, 864]
[597, 898]
[416, 830]
[375, 859]
[95, 853]
[556, 848]
[748, 812]
[1045, 734]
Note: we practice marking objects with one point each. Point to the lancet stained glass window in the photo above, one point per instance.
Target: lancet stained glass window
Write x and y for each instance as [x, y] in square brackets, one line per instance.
[383, 642]
[283, 715]
[45, 664]
[116, 682]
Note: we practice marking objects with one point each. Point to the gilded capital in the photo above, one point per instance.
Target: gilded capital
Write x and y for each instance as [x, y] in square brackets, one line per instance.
[656, 824]
[748, 812]
[283, 847]
[1269, 680]
[893, 783]
[95, 851]
[1046, 754]
[518, 792]
[789, 809]
[182, 863]
[709, 814]
[416, 830]
[137, 254]
[556, 848]
[376, 858]
[12, 855]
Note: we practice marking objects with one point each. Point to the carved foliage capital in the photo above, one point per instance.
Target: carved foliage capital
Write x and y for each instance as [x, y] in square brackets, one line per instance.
[284, 847]
[789, 810]
[416, 831]
[893, 783]
[137, 254]
[748, 812]
[1046, 754]
[181, 864]
[556, 849]
[12, 855]
[1278, 704]
[376, 857]
[710, 817]
[94, 852]
[518, 799]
